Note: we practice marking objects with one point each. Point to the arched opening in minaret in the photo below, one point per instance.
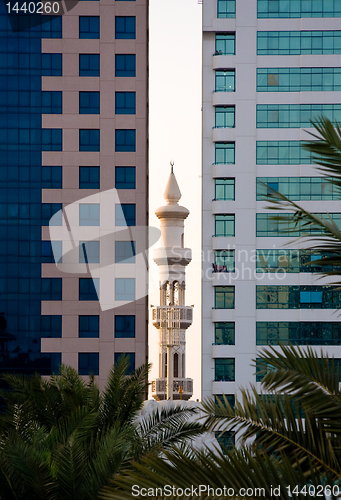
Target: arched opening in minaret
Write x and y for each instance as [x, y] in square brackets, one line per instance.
[182, 293]
[182, 240]
[183, 366]
[176, 365]
[165, 364]
[176, 293]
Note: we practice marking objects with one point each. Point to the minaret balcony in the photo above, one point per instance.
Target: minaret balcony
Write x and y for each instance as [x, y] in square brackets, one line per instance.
[183, 316]
[159, 388]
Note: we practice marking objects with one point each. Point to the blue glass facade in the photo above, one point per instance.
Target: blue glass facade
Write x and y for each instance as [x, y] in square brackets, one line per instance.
[22, 213]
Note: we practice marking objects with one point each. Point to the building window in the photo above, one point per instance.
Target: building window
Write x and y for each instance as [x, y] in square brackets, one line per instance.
[51, 102]
[224, 116]
[88, 288]
[298, 42]
[125, 214]
[52, 139]
[125, 177]
[224, 297]
[224, 261]
[89, 140]
[125, 27]
[88, 327]
[51, 64]
[48, 211]
[125, 140]
[51, 252]
[51, 27]
[89, 103]
[89, 214]
[125, 65]
[224, 369]
[89, 65]
[131, 360]
[298, 333]
[225, 153]
[226, 8]
[51, 289]
[219, 398]
[226, 440]
[225, 80]
[298, 8]
[125, 252]
[89, 252]
[298, 297]
[298, 188]
[51, 327]
[89, 178]
[52, 177]
[224, 225]
[88, 26]
[125, 289]
[298, 79]
[224, 189]
[124, 326]
[125, 103]
[225, 44]
[281, 153]
[224, 333]
[267, 225]
[88, 363]
[291, 261]
[294, 115]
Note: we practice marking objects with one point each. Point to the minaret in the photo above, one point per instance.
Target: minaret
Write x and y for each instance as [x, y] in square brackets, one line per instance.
[172, 317]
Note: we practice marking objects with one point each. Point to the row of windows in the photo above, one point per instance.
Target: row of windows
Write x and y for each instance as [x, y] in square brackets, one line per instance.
[298, 79]
[298, 8]
[267, 226]
[290, 261]
[297, 297]
[88, 326]
[294, 115]
[299, 333]
[262, 368]
[47, 139]
[125, 27]
[298, 188]
[30, 102]
[24, 64]
[36, 213]
[298, 42]
[89, 289]
[89, 214]
[88, 362]
[41, 289]
[89, 252]
[89, 140]
[281, 153]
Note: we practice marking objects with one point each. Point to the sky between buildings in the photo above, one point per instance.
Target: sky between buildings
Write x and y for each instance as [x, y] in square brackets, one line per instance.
[175, 134]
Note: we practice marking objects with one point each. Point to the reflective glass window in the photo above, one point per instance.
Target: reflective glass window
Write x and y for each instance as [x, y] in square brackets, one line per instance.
[124, 326]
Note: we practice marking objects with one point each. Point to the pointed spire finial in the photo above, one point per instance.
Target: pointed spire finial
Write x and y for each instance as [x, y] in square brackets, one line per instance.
[172, 165]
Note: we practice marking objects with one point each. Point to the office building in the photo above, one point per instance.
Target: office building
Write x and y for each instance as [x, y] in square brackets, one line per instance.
[74, 123]
[269, 67]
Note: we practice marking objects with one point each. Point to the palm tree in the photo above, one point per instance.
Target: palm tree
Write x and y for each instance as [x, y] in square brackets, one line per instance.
[289, 435]
[62, 439]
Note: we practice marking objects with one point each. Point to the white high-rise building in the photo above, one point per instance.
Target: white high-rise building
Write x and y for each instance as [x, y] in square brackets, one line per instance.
[268, 68]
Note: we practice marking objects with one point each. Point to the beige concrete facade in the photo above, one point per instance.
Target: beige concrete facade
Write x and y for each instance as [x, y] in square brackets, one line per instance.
[71, 159]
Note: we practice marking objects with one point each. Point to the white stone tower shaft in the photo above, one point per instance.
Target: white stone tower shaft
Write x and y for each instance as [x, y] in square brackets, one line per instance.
[172, 317]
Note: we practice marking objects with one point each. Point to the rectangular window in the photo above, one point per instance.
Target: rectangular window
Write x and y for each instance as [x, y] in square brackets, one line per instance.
[89, 140]
[224, 225]
[130, 356]
[89, 214]
[225, 153]
[51, 327]
[225, 44]
[267, 225]
[298, 297]
[88, 363]
[125, 252]
[88, 327]
[298, 42]
[51, 252]
[224, 116]
[295, 115]
[125, 27]
[51, 102]
[224, 261]
[298, 79]
[224, 297]
[125, 177]
[88, 288]
[125, 214]
[298, 333]
[89, 27]
[89, 65]
[124, 326]
[52, 177]
[298, 188]
[224, 333]
[89, 103]
[224, 369]
[226, 440]
[291, 261]
[125, 140]
[51, 64]
[52, 139]
[125, 289]
[298, 8]
[51, 213]
[51, 28]
[125, 65]
[225, 80]
[226, 8]
[125, 103]
[51, 289]
[224, 189]
[281, 153]
[89, 252]
[89, 178]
